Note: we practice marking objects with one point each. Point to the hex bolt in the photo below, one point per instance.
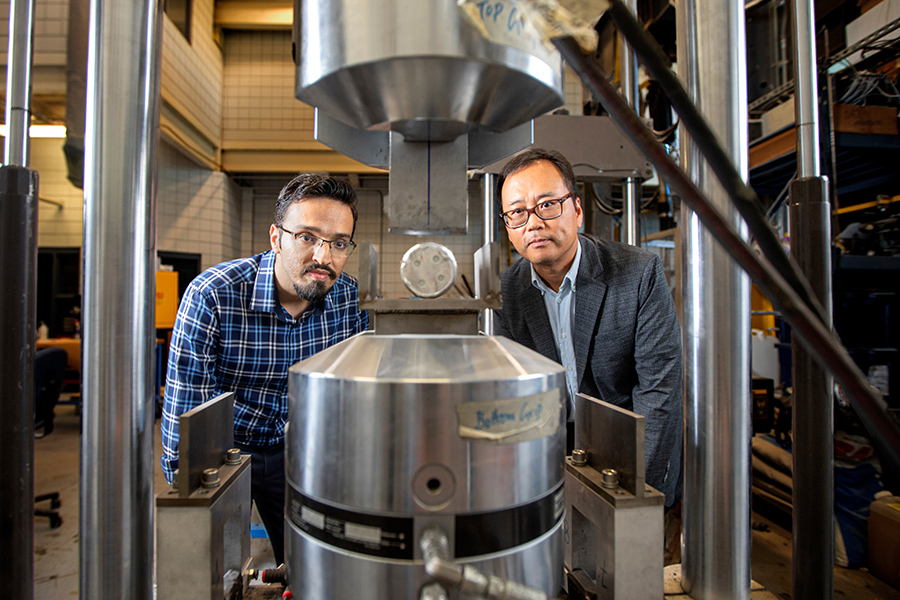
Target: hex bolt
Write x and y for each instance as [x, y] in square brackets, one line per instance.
[579, 457]
[609, 478]
[233, 457]
[210, 478]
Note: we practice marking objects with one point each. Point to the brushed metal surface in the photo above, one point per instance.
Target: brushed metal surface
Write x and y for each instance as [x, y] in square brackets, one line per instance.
[20, 52]
[206, 433]
[428, 187]
[417, 68]
[715, 319]
[613, 438]
[428, 270]
[375, 421]
[116, 517]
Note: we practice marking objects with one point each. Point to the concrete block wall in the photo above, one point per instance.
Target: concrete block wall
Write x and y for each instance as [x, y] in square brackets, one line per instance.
[51, 19]
[191, 73]
[198, 210]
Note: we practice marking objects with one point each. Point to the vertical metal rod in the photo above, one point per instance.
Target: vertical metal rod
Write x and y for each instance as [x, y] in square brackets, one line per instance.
[121, 133]
[806, 96]
[716, 319]
[813, 412]
[18, 297]
[813, 425]
[632, 210]
[490, 235]
[628, 77]
[18, 82]
[18, 272]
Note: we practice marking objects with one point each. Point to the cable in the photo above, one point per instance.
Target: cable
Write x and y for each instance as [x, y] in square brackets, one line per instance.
[779, 200]
[804, 314]
[743, 198]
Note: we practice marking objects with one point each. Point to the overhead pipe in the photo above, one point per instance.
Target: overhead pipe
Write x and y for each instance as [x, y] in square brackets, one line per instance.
[121, 135]
[715, 318]
[18, 301]
[813, 404]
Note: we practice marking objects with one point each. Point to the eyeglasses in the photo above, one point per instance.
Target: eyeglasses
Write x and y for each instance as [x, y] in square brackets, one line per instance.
[545, 209]
[342, 248]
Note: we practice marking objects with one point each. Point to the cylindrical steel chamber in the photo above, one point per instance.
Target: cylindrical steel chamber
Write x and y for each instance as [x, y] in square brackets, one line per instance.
[419, 68]
[391, 434]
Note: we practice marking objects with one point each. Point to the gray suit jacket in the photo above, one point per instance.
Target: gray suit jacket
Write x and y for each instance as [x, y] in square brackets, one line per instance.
[627, 343]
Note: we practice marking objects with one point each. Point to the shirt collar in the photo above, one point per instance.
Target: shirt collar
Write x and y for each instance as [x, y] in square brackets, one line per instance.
[264, 295]
[568, 280]
[263, 299]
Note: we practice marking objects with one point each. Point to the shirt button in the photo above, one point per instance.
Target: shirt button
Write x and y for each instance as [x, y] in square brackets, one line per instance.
[570, 368]
[564, 336]
[559, 300]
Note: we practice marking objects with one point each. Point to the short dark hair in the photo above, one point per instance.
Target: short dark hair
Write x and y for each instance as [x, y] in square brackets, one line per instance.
[315, 185]
[531, 156]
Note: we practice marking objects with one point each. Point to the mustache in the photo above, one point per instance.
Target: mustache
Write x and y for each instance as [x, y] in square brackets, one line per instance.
[318, 267]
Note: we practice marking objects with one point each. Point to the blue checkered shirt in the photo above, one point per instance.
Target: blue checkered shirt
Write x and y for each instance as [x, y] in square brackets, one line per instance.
[232, 334]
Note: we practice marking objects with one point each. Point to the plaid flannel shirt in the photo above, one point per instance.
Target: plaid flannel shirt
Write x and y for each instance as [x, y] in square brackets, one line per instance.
[232, 334]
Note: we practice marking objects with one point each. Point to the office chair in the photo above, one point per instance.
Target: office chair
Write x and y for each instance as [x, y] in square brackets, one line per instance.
[49, 370]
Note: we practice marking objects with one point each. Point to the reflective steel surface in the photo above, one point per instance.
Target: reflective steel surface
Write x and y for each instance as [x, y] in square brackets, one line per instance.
[116, 514]
[387, 426]
[715, 320]
[18, 82]
[417, 68]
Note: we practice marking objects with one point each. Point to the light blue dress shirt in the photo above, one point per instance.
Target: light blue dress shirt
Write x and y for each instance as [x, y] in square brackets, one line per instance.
[561, 311]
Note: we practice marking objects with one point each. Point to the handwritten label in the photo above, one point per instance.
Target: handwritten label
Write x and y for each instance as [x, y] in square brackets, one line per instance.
[511, 420]
[503, 22]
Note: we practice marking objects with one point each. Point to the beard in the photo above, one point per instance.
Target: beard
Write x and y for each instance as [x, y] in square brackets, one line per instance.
[314, 291]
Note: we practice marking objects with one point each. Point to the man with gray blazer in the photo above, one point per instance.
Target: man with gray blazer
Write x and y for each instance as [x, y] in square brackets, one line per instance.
[601, 309]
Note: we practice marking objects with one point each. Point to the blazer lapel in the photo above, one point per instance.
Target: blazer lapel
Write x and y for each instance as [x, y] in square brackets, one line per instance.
[589, 294]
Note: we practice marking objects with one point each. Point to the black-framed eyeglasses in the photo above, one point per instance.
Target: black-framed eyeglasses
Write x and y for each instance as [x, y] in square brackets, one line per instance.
[547, 209]
[342, 248]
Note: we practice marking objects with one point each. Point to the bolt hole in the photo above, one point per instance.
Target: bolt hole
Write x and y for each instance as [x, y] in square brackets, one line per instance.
[434, 485]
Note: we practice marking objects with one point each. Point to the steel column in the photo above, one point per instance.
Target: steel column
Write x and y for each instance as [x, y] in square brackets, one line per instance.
[18, 81]
[121, 131]
[631, 187]
[18, 272]
[813, 408]
[716, 319]
[490, 235]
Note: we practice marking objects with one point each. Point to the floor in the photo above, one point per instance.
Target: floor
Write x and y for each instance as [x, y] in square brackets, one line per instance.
[56, 470]
[56, 550]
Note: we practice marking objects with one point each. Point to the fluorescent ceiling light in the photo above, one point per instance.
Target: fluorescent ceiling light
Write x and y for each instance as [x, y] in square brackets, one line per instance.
[41, 131]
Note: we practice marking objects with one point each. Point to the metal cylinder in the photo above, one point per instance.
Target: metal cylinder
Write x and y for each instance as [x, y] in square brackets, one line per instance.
[813, 406]
[631, 211]
[391, 434]
[116, 515]
[18, 272]
[427, 74]
[715, 320]
[631, 197]
[18, 82]
[806, 96]
[491, 212]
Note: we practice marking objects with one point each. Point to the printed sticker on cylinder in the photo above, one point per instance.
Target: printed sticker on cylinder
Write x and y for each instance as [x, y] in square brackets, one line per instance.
[511, 420]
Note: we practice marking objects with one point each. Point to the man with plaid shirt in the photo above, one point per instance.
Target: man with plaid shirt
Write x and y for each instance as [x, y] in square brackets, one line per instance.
[243, 323]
